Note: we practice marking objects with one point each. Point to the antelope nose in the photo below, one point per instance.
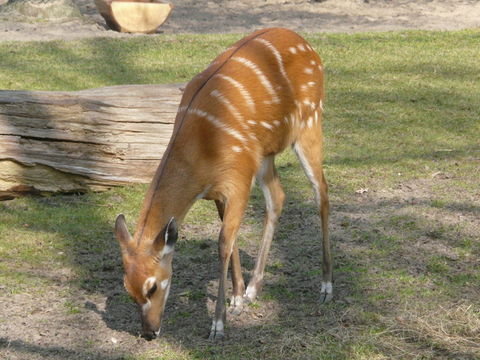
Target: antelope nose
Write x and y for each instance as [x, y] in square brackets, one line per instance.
[149, 335]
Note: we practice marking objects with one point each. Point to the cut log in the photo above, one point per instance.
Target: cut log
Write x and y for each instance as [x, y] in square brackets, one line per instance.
[138, 16]
[84, 140]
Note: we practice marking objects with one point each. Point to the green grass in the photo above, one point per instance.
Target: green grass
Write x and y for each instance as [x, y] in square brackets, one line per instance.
[402, 119]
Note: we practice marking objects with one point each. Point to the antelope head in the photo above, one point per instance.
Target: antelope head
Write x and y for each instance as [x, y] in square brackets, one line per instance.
[148, 272]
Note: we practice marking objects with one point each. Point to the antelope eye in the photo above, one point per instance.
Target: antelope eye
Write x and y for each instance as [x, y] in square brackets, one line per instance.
[152, 290]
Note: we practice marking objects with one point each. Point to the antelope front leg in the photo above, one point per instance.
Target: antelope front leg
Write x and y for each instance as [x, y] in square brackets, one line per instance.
[231, 222]
[236, 303]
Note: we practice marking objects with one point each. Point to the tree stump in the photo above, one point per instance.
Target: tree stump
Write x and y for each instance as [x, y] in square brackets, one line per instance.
[87, 140]
[133, 16]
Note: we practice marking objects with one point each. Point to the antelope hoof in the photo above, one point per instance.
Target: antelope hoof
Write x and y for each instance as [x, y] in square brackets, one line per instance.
[236, 305]
[326, 293]
[216, 333]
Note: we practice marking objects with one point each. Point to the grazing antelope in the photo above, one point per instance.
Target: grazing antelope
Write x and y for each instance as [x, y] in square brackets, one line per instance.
[258, 97]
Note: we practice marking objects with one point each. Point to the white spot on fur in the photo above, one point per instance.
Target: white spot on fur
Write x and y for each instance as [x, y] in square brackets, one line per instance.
[237, 149]
[311, 83]
[308, 71]
[266, 125]
[252, 122]
[301, 47]
[313, 62]
[293, 50]
[276, 122]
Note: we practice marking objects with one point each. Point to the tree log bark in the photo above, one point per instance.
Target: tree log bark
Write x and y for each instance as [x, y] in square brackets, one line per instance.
[86, 140]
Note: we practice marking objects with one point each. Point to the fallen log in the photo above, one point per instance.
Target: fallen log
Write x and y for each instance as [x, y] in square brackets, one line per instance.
[87, 140]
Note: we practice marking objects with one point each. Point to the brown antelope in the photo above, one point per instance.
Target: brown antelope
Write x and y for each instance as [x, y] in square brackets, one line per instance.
[255, 99]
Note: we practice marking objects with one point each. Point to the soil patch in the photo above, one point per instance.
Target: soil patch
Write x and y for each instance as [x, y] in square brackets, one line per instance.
[230, 16]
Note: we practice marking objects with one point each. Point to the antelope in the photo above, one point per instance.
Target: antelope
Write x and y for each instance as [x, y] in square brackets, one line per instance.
[260, 96]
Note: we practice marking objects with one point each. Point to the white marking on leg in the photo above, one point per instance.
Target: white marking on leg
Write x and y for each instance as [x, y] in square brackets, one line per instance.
[308, 170]
[261, 76]
[236, 301]
[251, 292]
[217, 326]
[321, 105]
[243, 91]
[326, 287]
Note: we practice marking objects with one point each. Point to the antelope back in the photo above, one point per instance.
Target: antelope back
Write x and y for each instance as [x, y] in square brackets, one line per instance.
[257, 96]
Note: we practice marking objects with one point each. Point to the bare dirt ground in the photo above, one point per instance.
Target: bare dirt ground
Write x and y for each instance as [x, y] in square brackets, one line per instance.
[218, 16]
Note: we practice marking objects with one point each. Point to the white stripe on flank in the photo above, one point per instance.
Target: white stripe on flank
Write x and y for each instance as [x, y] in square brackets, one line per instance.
[266, 125]
[263, 79]
[311, 83]
[233, 110]
[244, 92]
[216, 122]
[292, 50]
[278, 57]
[252, 122]
[308, 71]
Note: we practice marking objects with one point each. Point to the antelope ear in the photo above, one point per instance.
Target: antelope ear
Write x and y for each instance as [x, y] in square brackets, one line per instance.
[167, 238]
[121, 232]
